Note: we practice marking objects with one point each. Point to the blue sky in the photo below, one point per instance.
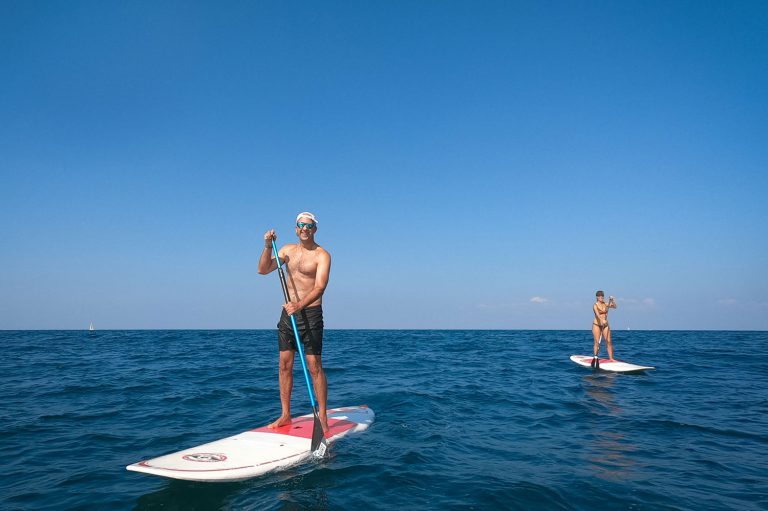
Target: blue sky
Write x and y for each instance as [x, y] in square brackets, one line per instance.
[472, 164]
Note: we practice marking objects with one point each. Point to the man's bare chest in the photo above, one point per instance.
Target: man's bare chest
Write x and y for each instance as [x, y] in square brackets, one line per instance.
[303, 264]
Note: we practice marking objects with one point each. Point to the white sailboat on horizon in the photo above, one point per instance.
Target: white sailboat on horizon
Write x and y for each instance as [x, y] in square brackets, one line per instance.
[90, 328]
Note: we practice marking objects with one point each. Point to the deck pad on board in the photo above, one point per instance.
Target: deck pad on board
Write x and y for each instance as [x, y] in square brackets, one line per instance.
[615, 366]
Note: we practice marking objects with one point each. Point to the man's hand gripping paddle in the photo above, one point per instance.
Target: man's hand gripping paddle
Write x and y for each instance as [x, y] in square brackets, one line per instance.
[319, 444]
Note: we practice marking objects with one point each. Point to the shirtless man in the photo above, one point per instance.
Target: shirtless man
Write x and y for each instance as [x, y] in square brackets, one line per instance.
[309, 266]
[600, 325]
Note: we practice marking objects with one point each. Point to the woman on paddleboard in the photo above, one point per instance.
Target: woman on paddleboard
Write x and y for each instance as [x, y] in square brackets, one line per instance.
[600, 326]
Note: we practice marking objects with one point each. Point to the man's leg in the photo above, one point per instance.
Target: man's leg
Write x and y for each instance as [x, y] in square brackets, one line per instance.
[285, 376]
[320, 383]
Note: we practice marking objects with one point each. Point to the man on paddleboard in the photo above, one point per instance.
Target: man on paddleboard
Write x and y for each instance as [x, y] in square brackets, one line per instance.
[600, 326]
[309, 267]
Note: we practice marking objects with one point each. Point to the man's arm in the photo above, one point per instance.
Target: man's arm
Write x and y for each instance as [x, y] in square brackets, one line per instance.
[266, 263]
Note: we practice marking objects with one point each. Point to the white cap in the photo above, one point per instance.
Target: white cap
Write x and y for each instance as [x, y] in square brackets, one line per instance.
[307, 214]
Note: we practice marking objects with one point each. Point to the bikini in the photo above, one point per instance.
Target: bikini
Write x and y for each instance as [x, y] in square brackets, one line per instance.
[595, 323]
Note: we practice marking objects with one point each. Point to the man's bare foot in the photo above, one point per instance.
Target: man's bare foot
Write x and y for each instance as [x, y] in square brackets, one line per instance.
[324, 423]
[282, 421]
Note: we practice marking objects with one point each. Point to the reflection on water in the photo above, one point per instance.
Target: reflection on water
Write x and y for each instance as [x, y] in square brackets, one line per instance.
[178, 495]
[610, 460]
[316, 498]
[607, 454]
[598, 386]
[294, 492]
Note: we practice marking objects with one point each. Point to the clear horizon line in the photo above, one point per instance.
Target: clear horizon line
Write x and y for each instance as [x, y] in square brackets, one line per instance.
[378, 329]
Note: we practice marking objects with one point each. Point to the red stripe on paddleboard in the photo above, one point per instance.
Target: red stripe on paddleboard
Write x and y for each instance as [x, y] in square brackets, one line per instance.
[156, 467]
[302, 427]
[602, 360]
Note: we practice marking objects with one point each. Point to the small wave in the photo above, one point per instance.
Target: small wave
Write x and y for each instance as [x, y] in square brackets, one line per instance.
[669, 425]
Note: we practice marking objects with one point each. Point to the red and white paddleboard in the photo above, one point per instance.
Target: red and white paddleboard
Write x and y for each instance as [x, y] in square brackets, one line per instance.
[615, 366]
[255, 452]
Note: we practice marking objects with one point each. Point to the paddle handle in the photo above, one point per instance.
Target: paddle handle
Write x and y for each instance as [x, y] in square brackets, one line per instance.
[284, 285]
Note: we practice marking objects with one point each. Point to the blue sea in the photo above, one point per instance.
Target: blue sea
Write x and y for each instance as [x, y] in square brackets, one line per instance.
[464, 420]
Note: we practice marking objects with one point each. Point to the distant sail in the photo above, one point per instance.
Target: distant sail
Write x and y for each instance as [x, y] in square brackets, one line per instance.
[91, 327]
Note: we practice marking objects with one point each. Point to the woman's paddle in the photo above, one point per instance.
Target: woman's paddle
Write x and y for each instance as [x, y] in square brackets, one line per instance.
[596, 359]
[319, 445]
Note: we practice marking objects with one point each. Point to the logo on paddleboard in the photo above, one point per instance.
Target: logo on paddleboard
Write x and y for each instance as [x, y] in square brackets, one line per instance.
[205, 457]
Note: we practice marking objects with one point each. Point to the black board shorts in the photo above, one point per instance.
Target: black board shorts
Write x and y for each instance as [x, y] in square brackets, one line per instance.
[309, 322]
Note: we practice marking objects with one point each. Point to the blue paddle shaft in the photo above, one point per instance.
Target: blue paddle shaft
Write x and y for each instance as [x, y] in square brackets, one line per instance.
[295, 328]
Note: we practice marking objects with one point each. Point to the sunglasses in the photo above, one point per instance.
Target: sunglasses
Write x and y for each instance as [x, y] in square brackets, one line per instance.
[302, 225]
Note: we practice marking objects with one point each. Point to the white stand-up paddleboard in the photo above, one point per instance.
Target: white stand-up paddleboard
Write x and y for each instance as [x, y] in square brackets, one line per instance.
[615, 366]
[255, 452]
